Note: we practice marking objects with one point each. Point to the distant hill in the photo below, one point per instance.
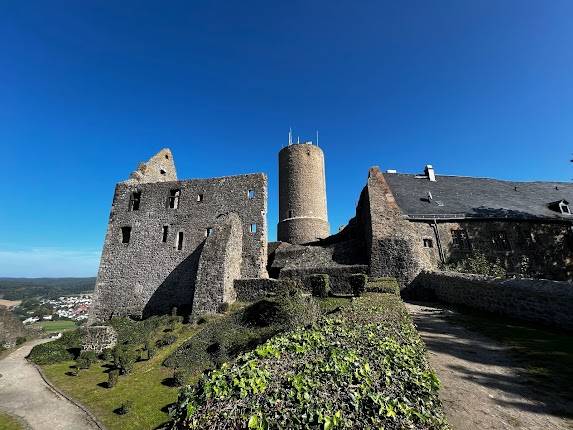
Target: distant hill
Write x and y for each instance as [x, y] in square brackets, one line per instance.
[24, 288]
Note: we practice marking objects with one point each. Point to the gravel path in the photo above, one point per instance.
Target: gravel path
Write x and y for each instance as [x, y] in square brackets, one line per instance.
[24, 393]
[481, 388]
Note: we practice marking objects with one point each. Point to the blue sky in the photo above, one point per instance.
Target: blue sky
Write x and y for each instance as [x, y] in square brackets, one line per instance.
[90, 88]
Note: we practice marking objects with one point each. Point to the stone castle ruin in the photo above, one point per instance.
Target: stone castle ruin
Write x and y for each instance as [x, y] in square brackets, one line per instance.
[192, 245]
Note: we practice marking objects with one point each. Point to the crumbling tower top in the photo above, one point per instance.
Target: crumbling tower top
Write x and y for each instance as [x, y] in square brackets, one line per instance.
[159, 168]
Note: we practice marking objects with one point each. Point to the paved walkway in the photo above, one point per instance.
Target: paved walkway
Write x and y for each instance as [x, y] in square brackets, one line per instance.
[481, 388]
[24, 393]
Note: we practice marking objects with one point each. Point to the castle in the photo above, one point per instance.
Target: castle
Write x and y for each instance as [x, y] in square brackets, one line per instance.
[190, 246]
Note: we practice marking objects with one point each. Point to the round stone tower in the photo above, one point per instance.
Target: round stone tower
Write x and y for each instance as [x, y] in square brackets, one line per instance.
[302, 194]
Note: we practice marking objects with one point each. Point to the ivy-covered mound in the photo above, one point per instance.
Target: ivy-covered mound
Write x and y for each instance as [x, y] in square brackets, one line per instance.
[363, 367]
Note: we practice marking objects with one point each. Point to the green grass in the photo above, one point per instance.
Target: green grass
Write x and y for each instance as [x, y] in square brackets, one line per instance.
[143, 387]
[57, 326]
[9, 423]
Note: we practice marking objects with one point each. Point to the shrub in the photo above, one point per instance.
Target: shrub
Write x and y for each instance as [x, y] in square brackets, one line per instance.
[86, 359]
[106, 355]
[383, 285]
[166, 340]
[224, 307]
[20, 340]
[319, 285]
[357, 283]
[125, 407]
[112, 378]
[363, 368]
[180, 377]
[124, 359]
[478, 264]
[63, 349]
[296, 310]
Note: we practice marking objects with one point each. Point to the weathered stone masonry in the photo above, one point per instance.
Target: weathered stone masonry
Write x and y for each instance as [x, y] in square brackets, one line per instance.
[157, 269]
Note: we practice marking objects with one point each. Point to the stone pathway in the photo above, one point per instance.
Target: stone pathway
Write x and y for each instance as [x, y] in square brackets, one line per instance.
[24, 393]
[481, 388]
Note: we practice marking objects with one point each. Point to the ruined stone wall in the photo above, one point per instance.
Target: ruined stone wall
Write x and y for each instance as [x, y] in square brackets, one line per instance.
[98, 338]
[538, 249]
[536, 300]
[148, 275]
[302, 194]
[250, 290]
[219, 266]
[392, 242]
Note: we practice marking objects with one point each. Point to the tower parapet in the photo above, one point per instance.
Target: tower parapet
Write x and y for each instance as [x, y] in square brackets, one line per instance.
[302, 194]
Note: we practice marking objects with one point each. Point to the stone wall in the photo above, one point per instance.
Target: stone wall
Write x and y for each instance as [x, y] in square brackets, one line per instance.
[219, 266]
[11, 328]
[150, 274]
[535, 300]
[392, 242]
[98, 338]
[540, 249]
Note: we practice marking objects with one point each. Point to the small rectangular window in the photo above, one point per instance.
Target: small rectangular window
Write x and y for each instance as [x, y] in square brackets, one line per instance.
[199, 198]
[500, 241]
[125, 234]
[253, 228]
[290, 213]
[251, 194]
[179, 241]
[209, 231]
[173, 201]
[428, 243]
[134, 200]
[460, 239]
[165, 233]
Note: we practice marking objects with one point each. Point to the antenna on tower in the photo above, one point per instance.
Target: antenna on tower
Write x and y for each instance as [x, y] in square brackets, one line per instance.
[316, 137]
[290, 136]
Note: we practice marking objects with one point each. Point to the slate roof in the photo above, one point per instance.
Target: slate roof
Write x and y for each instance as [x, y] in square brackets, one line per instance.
[468, 197]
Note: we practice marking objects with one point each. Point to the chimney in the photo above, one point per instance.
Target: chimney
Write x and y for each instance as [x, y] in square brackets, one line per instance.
[429, 171]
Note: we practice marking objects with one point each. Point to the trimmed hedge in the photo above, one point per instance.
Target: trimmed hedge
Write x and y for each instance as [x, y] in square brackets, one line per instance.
[319, 285]
[65, 348]
[224, 339]
[363, 368]
[383, 285]
[357, 283]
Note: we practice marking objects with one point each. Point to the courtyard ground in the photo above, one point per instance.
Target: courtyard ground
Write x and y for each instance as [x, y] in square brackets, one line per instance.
[496, 374]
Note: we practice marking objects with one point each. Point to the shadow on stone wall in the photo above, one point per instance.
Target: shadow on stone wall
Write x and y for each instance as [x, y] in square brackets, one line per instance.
[543, 256]
[177, 290]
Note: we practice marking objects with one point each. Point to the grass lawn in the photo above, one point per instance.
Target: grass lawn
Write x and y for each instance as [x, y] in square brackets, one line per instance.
[9, 423]
[57, 326]
[143, 387]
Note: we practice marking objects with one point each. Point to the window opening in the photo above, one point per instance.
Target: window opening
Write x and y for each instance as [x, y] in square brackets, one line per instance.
[199, 198]
[134, 201]
[460, 239]
[253, 228]
[125, 234]
[165, 233]
[500, 241]
[179, 241]
[428, 243]
[209, 231]
[251, 194]
[174, 198]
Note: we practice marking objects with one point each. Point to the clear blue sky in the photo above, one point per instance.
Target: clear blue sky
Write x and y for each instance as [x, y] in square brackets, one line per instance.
[90, 88]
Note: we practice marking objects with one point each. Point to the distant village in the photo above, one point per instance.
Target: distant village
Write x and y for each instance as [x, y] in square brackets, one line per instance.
[66, 307]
